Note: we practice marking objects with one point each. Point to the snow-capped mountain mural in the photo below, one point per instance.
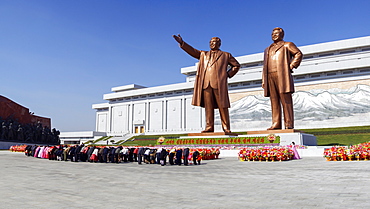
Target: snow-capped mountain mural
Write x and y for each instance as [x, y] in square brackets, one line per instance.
[314, 108]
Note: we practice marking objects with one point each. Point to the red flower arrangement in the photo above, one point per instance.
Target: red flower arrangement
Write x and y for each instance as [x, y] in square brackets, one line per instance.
[343, 153]
[281, 153]
[18, 148]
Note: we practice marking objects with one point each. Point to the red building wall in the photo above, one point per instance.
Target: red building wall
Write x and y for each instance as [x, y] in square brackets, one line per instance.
[12, 110]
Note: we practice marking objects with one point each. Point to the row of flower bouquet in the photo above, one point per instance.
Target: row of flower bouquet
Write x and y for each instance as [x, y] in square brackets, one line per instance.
[278, 153]
[343, 153]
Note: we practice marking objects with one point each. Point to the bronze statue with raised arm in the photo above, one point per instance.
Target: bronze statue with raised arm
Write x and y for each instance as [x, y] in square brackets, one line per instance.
[210, 87]
[280, 58]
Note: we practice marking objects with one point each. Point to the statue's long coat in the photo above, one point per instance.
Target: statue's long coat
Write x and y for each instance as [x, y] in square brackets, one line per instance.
[219, 64]
[287, 54]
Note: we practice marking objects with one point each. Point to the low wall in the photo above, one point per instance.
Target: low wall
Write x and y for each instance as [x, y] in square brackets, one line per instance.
[7, 145]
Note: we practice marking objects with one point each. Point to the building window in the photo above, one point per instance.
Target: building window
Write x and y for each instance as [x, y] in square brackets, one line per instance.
[326, 54]
[315, 75]
[308, 57]
[331, 74]
[258, 82]
[347, 72]
[300, 77]
[348, 51]
[365, 70]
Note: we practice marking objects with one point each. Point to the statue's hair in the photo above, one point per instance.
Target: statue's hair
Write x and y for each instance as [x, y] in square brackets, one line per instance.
[217, 38]
[279, 29]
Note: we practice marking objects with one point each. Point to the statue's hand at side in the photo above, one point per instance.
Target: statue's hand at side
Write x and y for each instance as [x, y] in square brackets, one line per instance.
[178, 38]
[291, 68]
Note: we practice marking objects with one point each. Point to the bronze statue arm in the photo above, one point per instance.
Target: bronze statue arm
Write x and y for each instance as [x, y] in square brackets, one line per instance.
[178, 38]
[297, 56]
[234, 66]
[186, 47]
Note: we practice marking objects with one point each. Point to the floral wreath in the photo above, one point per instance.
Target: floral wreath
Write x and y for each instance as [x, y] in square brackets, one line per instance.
[271, 137]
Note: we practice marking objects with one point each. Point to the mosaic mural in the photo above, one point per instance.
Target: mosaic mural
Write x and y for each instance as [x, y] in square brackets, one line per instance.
[313, 108]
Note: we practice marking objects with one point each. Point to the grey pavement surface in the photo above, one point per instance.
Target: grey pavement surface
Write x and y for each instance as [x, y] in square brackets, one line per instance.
[311, 182]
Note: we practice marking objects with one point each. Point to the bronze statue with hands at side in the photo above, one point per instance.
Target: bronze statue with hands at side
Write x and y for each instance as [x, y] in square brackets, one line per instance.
[210, 87]
[280, 58]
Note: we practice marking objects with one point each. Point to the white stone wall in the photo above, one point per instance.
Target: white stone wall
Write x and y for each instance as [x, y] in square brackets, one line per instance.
[102, 121]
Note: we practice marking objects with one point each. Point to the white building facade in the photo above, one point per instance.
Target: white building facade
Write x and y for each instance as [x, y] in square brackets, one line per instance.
[332, 90]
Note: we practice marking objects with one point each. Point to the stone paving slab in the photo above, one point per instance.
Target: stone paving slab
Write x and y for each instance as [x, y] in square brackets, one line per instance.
[311, 182]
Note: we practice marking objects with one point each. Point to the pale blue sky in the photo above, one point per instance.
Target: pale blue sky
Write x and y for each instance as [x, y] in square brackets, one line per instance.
[59, 57]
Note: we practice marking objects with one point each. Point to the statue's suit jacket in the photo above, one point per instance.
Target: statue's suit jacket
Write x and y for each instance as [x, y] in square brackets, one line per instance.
[287, 53]
[219, 65]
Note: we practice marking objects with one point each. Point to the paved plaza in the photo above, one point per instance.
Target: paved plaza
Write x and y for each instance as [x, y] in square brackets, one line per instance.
[311, 182]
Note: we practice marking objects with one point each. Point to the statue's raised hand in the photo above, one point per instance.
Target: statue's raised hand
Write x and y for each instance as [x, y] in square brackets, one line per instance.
[178, 38]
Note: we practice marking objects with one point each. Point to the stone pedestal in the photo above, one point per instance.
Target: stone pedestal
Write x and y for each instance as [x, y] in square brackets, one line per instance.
[287, 136]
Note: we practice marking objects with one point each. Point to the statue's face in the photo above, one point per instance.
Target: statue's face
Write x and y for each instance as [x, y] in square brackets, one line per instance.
[277, 35]
[214, 44]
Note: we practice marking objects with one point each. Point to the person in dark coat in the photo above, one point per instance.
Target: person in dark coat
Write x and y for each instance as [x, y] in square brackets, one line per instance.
[171, 156]
[178, 156]
[140, 154]
[89, 152]
[117, 155]
[157, 155]
[131, 154]
[186, 156]
[163, 156]
[105, 154]
[100, 155]
[77, 153]
[195, 157]
[72, 153]
[112, 151]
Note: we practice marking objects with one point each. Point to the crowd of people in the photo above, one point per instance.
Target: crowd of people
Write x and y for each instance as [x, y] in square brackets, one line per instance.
[12, 130]
[121, 154]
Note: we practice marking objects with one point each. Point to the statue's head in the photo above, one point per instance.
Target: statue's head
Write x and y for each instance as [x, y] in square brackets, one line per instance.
[215, 43]
[277, 34]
